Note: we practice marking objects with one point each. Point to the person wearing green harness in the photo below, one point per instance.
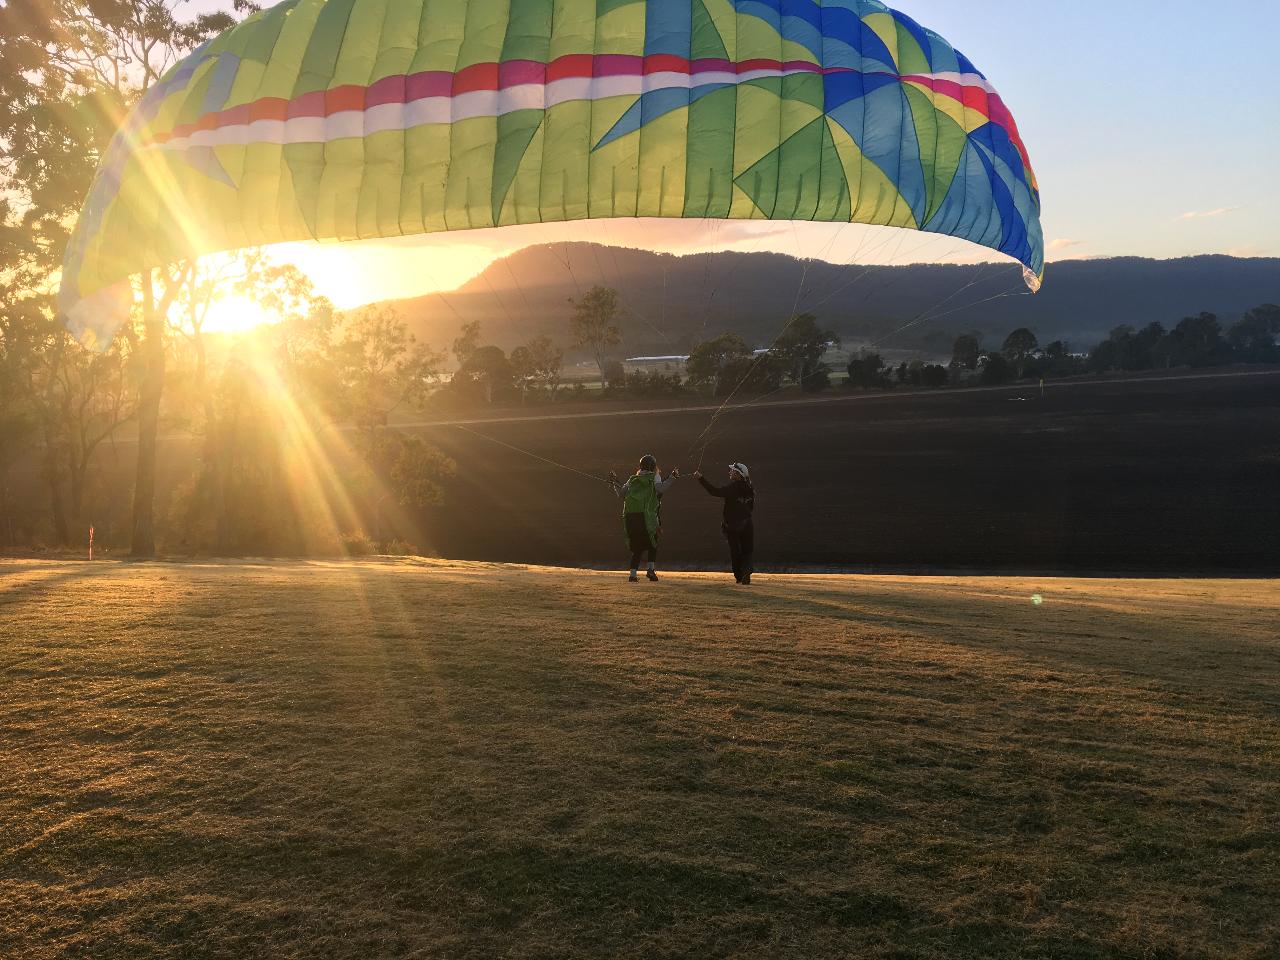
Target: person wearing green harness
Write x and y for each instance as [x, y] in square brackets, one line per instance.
[641, 504]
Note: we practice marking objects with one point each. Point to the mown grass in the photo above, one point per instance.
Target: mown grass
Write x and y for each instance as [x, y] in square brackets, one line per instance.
[465, 760]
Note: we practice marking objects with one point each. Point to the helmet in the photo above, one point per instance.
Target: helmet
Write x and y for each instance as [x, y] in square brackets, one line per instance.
[649, 463]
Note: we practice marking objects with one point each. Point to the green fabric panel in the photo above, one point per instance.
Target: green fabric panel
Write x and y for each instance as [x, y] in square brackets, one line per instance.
[339, 192]
[834, 202]
[620, 30]
[803, 178]
[707, 42]
[709, 162]
[281, 76]
[441, 30]
[911, 59]
[426, 152]
[662, 166]
[521, 204]
[468, 198]
[288, 216]
[942, 162]
[360, 43]
[528, 31]
[925, 117]
[259, 170]
[724, 18]
[235, 162]
[248, 83]
[756, 38]
[528, 37]
[760, 181]
[867, 183]
[485, 32]
[469, 192]
[615, 169]
[573, 26]
[306, 166]
[758, 123]
[603, 7]
[566, 143]
[192, 108]
[260, 40]
[321, 59]
[566, 162]
[515, 133]
[399, 40]
[378, 207]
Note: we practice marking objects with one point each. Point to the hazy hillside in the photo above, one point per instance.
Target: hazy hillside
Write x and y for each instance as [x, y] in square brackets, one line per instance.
[675, 301]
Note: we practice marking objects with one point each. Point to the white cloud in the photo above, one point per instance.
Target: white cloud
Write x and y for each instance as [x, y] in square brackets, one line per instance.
[1207, 214]
[1064, 244]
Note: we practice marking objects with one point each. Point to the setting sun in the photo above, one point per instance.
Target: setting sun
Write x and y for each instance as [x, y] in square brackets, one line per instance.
[236, 313]
[354, 274]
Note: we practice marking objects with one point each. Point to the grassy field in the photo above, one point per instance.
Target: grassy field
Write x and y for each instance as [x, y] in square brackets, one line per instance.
[432, 759]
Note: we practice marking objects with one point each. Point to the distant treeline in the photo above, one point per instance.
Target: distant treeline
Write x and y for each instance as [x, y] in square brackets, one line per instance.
[1197, 341]
[727, 365]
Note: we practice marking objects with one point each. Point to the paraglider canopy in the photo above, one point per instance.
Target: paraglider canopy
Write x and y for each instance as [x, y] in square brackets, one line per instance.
[352, 119]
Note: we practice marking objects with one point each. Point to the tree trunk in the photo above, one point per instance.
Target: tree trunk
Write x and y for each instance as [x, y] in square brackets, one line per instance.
[53, 475]
[215, 466]
[60, 529]
[144, 489]
[218, 482]
[76, 470]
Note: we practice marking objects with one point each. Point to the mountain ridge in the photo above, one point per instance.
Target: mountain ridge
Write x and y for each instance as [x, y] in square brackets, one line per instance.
[676, 300]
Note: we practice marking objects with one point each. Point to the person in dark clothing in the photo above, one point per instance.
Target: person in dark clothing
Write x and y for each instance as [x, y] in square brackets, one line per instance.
[641, 499]
[739, 498]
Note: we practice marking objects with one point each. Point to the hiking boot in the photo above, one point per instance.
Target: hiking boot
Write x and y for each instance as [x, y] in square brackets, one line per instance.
[652, 576]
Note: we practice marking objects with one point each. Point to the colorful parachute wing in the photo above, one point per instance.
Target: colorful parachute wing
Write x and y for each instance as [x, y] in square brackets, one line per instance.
[353, 119]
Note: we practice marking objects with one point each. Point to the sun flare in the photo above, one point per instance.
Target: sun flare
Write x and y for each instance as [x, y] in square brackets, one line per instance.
[236, 313]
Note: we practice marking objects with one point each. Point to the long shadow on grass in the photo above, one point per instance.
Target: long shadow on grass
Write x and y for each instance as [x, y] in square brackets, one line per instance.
[13, 591]
[1118, 644]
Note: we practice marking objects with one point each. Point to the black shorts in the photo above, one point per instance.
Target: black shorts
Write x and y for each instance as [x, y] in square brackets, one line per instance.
[638, 533]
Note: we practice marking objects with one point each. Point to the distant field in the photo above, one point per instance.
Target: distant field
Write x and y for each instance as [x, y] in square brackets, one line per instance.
[1154, 476]
[1173, 476]
[433, 759]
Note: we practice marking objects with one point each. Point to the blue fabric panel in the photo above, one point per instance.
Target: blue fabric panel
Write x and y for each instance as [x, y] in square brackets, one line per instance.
[668, 27]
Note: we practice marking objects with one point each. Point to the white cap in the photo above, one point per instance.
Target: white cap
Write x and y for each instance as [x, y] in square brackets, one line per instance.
[742, 469]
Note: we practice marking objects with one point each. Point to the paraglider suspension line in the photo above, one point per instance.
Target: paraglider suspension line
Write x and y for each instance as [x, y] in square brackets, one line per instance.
[531, 454]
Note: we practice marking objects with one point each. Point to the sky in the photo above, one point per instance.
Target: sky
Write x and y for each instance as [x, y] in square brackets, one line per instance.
[1154, 127]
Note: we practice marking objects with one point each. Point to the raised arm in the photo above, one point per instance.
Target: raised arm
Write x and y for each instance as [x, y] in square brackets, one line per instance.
[662, 486]
[712, 489]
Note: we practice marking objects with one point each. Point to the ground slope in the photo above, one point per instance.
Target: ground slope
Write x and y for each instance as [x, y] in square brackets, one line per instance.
[467, 760]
